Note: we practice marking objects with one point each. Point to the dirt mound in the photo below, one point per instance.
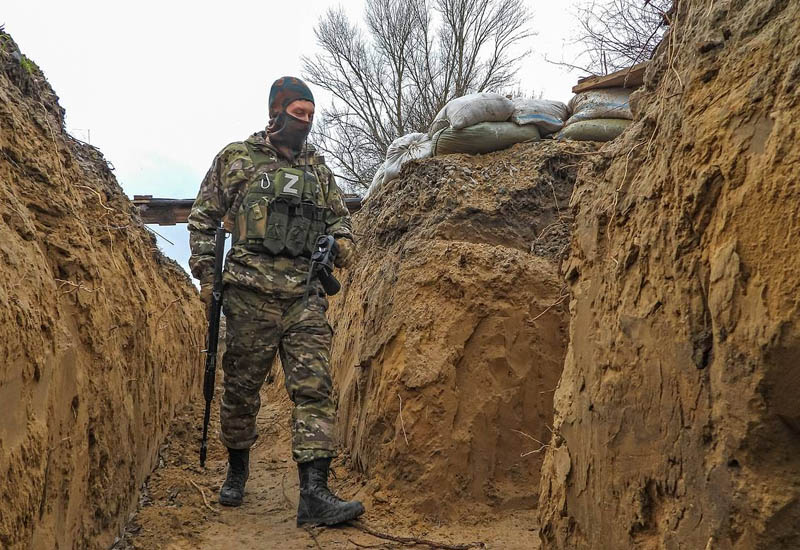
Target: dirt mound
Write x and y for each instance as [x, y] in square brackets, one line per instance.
[100, 332]
[677, 423]
[450, 330]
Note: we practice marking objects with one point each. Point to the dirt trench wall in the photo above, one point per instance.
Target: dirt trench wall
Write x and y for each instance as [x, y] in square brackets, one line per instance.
[99, 332]
[677, 420]
[449, 315]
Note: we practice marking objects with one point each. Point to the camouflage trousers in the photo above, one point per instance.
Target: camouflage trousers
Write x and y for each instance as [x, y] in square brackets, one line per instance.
[258, 326]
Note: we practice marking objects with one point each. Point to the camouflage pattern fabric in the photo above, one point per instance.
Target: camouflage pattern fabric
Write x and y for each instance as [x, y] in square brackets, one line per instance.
[274, 275]
[264, 307]
[257, 328]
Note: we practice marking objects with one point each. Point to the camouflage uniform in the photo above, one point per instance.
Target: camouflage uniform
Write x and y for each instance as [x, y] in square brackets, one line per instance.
[263, 302]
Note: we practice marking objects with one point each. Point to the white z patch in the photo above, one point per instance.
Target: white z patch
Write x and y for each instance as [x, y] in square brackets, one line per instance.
[290, 187]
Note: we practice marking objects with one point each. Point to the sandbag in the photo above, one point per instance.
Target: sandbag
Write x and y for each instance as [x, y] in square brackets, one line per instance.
[605, 103]
[377, 181]
[404, 149]
[547, 115]
[483, 138]
[471, 109]
[601, 129]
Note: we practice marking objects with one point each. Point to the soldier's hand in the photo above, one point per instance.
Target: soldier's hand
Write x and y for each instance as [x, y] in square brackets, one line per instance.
[345, 254]
[206, 287]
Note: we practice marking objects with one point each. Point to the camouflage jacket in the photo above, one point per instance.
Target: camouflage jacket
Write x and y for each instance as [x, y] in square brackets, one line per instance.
[231, 170]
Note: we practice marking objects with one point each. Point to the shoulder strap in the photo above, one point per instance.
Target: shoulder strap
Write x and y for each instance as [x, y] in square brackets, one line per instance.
[322, 182]
[259, 158]
[315, 160]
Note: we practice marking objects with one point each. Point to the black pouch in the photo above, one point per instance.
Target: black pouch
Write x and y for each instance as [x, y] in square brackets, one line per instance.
[277, 226]
[299, 227]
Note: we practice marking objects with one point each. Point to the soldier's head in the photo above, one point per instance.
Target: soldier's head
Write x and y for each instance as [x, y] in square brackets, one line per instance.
[291, 112]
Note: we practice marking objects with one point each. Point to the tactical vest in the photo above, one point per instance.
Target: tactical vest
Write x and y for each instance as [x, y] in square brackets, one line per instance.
[283, 208]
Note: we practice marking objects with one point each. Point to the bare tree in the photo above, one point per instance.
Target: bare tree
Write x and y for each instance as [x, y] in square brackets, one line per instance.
[616, 34]
[413, 57]
[620, 33]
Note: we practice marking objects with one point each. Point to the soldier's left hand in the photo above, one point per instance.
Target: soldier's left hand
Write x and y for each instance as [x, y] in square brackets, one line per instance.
[346, 253]
[206, 288]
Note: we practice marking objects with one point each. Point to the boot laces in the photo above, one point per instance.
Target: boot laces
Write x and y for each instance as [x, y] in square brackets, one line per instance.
[236, 476]
[325, 494]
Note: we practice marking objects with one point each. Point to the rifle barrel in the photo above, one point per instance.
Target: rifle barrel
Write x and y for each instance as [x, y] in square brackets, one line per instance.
[214, 311]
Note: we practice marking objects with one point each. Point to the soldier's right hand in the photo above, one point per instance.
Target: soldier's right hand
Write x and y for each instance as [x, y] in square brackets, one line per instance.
[345, 253]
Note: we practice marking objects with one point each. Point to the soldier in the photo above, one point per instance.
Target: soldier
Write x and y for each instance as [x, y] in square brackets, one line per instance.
[277, 197]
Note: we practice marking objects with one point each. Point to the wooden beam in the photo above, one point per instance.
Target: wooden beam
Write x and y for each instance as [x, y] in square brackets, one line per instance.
[632, 77]
[352, 202]
[161, 211]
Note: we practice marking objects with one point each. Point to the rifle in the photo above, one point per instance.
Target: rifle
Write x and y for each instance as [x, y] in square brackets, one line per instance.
[214, 310]
[322, 267]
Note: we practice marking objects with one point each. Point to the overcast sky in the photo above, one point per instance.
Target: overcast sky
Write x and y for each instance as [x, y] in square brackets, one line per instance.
[161, 87]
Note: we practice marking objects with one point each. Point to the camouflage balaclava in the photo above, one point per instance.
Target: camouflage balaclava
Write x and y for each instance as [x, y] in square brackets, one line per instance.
[287, 133]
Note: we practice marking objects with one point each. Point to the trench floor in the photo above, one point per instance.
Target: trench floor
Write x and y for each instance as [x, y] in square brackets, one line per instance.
[178, 508]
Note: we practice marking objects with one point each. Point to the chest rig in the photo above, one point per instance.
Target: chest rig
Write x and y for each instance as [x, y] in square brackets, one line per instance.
[283, 208]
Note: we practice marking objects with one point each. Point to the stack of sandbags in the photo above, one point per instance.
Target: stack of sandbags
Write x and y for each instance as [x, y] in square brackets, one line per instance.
[598, 115]
[478, 123]
[473, 124]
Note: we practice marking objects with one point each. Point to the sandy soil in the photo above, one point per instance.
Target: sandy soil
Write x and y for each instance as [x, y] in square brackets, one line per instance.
[173, 515]
[100, 333]
[450, 331]
[676, 422]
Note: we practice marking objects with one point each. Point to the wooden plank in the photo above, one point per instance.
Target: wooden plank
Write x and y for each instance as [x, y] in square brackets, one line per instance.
[632, 77]
[352, 202]
[162, 211]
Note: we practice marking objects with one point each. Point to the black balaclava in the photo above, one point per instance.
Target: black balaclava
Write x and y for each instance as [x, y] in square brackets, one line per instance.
[287, 133]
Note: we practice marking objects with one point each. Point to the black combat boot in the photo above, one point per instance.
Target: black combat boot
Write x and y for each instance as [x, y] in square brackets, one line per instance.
[317, 504]
[232, 490]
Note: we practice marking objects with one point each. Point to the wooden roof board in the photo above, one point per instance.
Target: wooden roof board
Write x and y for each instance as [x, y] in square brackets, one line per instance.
[163, 211]
[632, 77]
